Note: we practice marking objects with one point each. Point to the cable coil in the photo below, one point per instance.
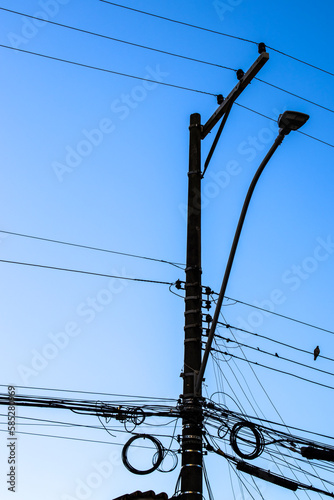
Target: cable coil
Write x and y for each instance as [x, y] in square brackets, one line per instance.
[157, 458]
[259, 440]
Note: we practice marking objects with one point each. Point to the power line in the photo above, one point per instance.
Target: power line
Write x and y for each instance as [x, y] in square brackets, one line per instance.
[64, 437]
[260, 383]
[301, 61]
[106, 70]
[270, 340]
[87, 32]
[85, 272]
[65, 425]
[74, 439]
[275, 355]
[178, 22]
[217, 33]
[294, 95]
[154, 49]
[152, 81]
[275, 369]
[273, 120]
[140, 398]
[176, 264]
[271, 422]
[280, 315]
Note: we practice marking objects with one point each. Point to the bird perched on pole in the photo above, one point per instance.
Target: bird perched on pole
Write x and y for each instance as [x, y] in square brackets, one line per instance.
[316, 352]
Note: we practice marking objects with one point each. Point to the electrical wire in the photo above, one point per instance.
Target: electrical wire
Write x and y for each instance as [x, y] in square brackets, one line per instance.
[208, 63]
[294, 95]
[246, 396]
[280, 315]
[85, 272]
[264, 390]
[276, 370]
[106, 70]
[217, 33]
[135, 398]
[275, 355]
[242, 389]
[272, 119]
[153, 81]
[263, 422]
[269, 401]
[87, 247]
[75, 439]
[64, 437]
[176, 21]
[119, 40]
[270, 340]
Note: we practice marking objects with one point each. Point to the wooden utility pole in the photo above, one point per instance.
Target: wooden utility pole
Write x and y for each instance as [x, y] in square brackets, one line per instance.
[193, 371]
[191, 471]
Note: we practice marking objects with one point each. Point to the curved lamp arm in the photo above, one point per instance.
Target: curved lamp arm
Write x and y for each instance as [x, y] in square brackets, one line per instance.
[256, 177]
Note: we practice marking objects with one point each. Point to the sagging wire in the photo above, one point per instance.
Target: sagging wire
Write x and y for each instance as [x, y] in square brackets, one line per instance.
[207, 482]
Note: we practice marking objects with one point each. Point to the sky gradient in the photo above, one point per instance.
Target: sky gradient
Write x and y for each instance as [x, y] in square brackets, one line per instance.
[100, 159]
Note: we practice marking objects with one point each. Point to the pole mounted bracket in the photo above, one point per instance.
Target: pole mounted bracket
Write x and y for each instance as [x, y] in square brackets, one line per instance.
[234, 94]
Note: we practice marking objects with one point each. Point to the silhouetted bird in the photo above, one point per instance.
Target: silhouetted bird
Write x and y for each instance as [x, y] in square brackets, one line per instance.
[316, 352]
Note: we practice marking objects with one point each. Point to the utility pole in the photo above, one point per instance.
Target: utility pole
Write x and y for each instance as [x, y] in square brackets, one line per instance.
[192, 403]
[192, 454]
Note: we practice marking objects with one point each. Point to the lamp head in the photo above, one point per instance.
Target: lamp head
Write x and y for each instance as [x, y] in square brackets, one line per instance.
[291, 120]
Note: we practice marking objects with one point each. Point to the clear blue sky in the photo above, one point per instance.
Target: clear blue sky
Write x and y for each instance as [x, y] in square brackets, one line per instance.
[100, 159]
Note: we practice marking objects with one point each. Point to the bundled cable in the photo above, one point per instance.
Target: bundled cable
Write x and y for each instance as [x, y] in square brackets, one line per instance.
[157, 459]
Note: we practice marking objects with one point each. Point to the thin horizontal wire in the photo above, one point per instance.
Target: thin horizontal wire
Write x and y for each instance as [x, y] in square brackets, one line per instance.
[315, 138]
[88, 392]
[217, 33]
[288, 427]
[276, 370]
[75, 439]
[85, 272]
[273, 120]
[65, 425]
[177, 264]
[54, 422]
[280, 315]
[161, 52]
[301, 61]
[64, 437]
[271, 340]
[106, 70]
[275, 355]
[119, 40]
[295, 95]
[178, 22]
[152, 81]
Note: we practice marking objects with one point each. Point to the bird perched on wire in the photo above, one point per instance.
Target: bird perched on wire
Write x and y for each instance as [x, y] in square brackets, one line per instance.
[316, 352]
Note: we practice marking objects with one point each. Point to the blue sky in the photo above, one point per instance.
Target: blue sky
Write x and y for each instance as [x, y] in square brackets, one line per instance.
[99, 159]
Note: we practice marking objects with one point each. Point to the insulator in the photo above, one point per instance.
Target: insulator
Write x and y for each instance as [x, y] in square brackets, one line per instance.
[240, 74]
[261, 48]
[178, 285]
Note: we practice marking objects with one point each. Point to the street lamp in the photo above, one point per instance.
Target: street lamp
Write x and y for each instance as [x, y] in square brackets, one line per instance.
[288, 121]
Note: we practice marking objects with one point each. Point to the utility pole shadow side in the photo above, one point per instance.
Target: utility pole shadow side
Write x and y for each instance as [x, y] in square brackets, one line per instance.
[192, 453]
